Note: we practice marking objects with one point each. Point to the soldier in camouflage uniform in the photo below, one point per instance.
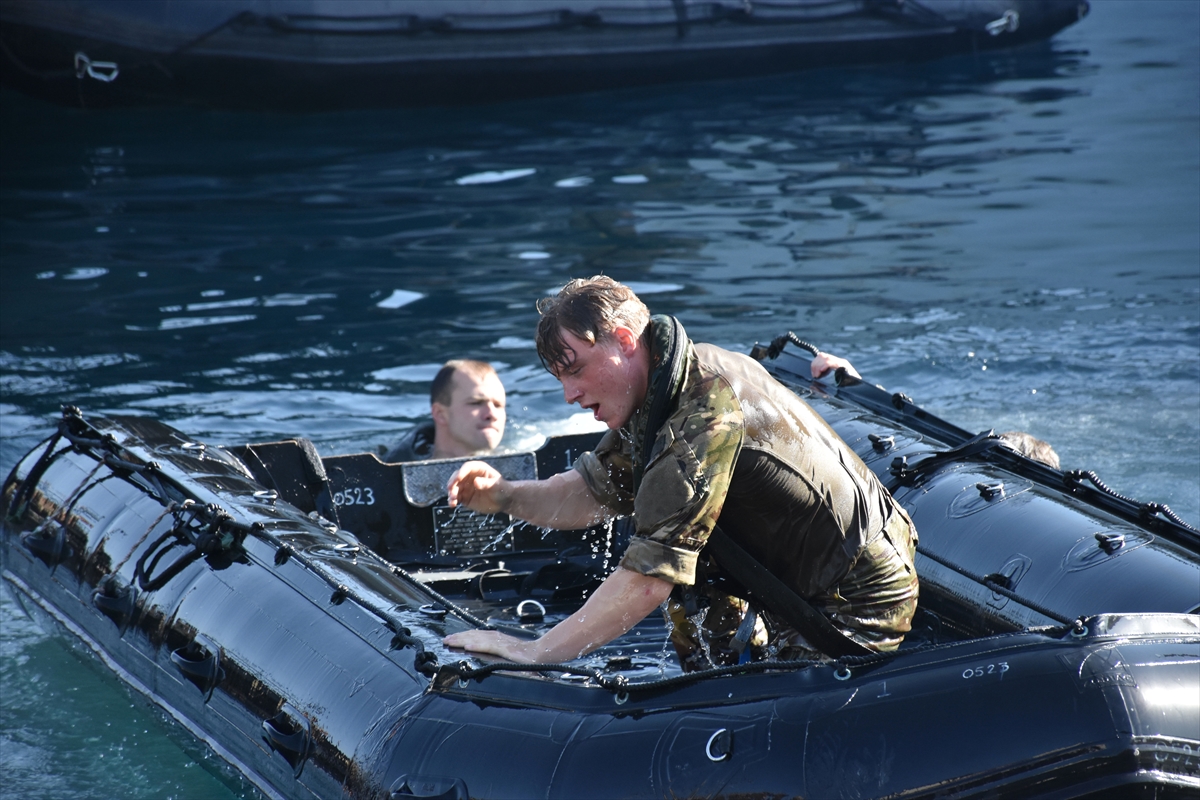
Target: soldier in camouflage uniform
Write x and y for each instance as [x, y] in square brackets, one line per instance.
[699, 437]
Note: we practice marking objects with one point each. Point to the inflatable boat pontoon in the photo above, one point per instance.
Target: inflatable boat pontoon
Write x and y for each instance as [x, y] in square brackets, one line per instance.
[320, 54]
[287, 612]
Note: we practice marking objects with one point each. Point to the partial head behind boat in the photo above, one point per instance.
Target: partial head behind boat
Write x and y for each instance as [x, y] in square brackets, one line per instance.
[1031, 447]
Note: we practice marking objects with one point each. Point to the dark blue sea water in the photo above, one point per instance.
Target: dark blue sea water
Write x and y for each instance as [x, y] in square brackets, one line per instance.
[1012, 240]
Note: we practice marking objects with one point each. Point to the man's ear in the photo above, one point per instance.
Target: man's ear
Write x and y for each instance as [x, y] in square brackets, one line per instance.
[627, 340]
[441, 414]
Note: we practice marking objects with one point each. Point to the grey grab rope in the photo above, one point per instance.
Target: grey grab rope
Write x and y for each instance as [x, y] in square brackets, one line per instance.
[1078, 475]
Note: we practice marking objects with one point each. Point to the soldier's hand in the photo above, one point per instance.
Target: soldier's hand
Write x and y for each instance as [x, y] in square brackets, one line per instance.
[822, 363]
[493, 643]
[479, 487]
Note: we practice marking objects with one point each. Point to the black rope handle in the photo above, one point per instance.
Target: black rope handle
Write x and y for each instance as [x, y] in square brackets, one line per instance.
[779, 342]
[1077, 476]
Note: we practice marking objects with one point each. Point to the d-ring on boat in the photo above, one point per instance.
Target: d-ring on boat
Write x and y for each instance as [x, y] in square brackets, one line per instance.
[286, 611]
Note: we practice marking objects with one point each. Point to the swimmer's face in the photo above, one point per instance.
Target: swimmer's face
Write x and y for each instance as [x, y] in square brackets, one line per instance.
[473, 422]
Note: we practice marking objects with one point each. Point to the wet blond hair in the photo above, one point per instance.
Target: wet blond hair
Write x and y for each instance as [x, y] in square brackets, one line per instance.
[1030, 447]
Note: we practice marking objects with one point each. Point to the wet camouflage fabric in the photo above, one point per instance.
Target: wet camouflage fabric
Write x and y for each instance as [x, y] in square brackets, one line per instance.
[704, 625]
[742, 450]
[685, 482]
[882, 584]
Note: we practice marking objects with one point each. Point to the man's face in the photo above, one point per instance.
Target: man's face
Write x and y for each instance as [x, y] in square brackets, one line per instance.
[604, 378]
[474, 420]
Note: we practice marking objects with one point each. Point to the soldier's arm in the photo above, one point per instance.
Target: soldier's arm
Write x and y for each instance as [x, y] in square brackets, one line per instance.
[562, 501]
[622, 601]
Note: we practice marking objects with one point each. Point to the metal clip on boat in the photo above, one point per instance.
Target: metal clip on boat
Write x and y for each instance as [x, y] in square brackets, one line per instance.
[990, 491]
[103, 71]
[530, 612]
[1008, 23]
[719, 746]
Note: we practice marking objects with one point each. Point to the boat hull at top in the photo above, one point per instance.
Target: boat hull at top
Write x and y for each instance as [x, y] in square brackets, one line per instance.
[321, 54]
[287, 613]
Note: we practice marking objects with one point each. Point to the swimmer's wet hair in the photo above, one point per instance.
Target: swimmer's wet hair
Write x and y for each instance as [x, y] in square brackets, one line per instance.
[590, 309]
[1030, 447]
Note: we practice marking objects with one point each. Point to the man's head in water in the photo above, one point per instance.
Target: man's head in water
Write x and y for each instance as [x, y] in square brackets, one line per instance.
[467, 400]
[1030, 447]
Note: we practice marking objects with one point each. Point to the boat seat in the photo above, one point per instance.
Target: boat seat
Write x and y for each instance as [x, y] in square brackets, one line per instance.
[367, 499]
[291, 467]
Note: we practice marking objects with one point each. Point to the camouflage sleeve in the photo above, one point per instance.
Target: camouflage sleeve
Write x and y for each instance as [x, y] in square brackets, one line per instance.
[684, 489]
[608, 473]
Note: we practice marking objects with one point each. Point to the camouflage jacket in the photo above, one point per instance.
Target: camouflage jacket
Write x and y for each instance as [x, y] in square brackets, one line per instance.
[740, 449]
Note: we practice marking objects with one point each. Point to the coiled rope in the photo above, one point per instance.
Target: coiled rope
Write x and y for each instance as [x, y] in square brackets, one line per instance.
[1077, 476]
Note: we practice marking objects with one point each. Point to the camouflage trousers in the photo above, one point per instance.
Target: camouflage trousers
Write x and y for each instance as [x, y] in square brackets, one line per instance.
[873, 605]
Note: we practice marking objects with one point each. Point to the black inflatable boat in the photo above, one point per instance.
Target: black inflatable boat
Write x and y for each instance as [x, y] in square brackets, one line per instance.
[287, 611]
[319, 54]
